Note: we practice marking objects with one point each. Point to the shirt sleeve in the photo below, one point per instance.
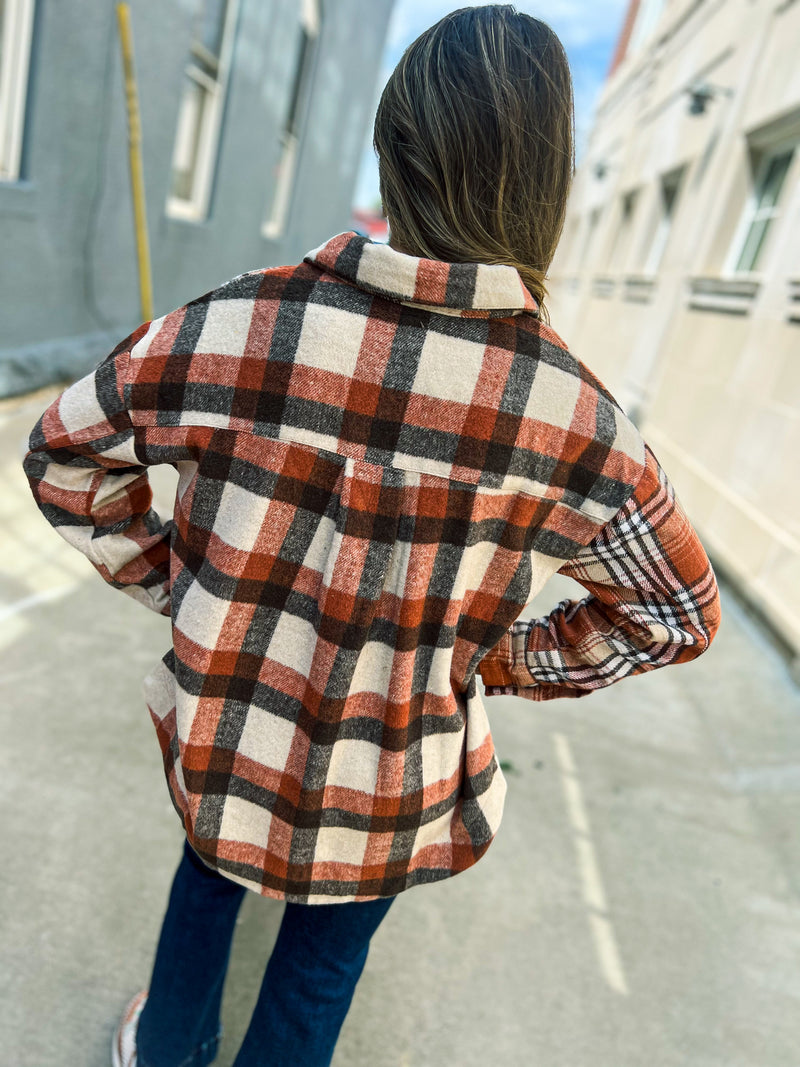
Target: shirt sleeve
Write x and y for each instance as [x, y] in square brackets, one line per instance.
[653, 600]
[88, 480]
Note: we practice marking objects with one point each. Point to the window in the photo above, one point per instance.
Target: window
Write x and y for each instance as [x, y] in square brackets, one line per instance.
[567, 245]
[669, 187]
[646, 21]
[620, 250]
[769, 170]
[16, 26]
[290, 134]
[200, 112]
[591, 230]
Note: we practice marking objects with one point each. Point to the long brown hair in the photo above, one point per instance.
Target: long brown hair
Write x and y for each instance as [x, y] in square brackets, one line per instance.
[475, 140]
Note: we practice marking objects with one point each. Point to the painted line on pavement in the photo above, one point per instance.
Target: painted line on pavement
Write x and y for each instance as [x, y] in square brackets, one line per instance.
[594, 893]
[35, 599]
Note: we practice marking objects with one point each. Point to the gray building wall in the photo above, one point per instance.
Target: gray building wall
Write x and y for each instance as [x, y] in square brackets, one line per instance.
[68, 271]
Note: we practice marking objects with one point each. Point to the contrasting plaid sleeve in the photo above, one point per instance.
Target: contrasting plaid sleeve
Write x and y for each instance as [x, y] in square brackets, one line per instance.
[653, 601]
[90, 484]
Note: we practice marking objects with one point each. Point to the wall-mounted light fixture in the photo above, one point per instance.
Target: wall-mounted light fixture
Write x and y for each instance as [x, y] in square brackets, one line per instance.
[701, 92]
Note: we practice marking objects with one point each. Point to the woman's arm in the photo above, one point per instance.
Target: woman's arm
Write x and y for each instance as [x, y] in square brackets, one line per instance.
[653, 601]
[91, 485]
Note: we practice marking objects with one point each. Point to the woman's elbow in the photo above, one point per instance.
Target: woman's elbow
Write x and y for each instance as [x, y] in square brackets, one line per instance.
[702, 629]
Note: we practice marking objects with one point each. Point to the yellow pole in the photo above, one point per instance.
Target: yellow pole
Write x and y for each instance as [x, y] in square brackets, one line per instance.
[135, 153]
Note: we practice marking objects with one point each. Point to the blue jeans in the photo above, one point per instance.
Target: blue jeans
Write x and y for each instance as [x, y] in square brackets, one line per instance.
[307, 989]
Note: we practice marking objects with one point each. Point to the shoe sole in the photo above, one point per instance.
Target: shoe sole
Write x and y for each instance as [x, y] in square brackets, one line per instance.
[134, 1008]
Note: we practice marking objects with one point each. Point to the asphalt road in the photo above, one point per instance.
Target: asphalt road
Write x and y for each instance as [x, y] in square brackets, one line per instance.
[639, 908]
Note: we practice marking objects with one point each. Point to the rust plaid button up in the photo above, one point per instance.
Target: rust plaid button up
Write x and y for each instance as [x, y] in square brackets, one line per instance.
[381, 459]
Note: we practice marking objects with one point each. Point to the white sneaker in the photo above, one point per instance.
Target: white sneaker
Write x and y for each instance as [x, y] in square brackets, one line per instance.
[123, 1049]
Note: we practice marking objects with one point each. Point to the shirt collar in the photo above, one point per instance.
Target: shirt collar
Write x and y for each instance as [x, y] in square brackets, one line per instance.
[471, 290]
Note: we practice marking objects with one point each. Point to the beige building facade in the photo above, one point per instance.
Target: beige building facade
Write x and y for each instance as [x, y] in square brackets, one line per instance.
[677, 280]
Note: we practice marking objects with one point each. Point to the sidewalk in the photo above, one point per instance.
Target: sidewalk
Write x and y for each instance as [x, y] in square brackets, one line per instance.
[639, 908]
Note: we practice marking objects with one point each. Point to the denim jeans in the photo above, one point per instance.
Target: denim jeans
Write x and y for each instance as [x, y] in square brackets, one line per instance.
[308, 983]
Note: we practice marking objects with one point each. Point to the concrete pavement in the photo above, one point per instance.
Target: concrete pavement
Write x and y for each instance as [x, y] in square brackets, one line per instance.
[640, 906]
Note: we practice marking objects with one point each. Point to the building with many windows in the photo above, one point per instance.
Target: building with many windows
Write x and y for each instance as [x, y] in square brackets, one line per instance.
[678, 277]
[254, 115]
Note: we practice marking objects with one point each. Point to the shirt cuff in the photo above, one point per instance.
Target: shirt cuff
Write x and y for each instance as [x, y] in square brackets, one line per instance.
[495, 667]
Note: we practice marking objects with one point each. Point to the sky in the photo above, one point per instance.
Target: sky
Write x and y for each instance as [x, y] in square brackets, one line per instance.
[588, 30]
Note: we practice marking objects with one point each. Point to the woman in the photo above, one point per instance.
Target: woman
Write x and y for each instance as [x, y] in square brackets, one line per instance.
[384, 453]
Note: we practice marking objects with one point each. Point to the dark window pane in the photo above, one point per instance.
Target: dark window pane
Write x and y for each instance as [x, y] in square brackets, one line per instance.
[300, 74]
[211, 24]
[187, 141]
[669, 191]
[753, 245]
[773, 179]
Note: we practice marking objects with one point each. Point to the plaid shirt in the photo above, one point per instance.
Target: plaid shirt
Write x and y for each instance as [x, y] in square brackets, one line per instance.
[381, 460]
